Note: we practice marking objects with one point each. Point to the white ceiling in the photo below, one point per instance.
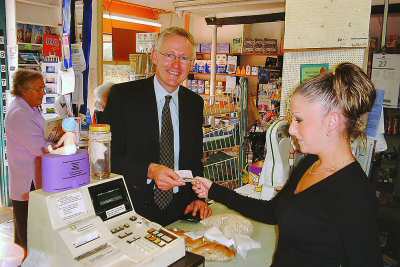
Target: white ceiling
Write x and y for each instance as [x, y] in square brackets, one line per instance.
[168, 4]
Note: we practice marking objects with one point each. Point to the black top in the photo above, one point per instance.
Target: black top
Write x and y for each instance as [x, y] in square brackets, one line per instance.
[132, 114]
[331, 223]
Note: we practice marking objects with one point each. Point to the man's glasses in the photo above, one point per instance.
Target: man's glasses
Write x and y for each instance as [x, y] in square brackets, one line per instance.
[172, 57]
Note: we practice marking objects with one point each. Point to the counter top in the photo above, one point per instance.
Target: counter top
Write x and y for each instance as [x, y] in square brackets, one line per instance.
[263, 233]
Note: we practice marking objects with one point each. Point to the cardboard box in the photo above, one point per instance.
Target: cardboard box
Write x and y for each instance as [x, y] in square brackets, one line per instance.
[248, 46]
[237, 45]
[270, 45]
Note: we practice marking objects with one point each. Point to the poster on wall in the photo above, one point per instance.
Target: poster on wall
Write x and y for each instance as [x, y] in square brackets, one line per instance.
[51, 45]
[308, 71]
[386, 76]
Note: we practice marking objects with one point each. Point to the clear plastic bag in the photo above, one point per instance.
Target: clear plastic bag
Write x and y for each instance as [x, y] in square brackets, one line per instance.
[230, 224]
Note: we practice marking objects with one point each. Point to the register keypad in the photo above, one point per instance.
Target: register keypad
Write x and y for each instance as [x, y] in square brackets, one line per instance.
[159, 237]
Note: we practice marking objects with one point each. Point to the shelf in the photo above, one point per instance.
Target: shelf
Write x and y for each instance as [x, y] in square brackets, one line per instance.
[32, 44]
[28, 65]
[244, 54]
[223, 74]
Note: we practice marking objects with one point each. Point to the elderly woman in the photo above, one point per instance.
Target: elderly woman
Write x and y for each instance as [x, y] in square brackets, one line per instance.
[25, 143]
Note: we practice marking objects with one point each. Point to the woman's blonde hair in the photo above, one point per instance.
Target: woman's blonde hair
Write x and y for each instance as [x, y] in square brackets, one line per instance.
[349, 89]
[22, 79]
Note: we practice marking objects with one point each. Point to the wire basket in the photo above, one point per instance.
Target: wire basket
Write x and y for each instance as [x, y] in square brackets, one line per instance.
[221, 138]
[226, 172]
[220, 108]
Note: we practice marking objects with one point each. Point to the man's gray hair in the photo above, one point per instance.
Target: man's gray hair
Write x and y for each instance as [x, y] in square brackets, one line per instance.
[175, 31]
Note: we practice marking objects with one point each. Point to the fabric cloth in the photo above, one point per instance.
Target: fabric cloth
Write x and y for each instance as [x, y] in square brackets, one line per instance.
[332, 223]
[132, 114]
[25, 142]
[163, 198]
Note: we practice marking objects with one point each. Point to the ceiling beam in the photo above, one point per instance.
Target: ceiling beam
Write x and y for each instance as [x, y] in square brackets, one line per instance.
[393, 8]
[246, 19]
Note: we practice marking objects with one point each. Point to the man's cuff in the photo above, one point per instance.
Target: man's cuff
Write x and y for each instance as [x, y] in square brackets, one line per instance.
[175, 190]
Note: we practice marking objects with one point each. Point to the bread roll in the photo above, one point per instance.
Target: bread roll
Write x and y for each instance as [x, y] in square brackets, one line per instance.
[211, 251]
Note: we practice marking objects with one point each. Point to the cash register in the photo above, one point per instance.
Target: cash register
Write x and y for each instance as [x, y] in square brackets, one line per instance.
[96, 225]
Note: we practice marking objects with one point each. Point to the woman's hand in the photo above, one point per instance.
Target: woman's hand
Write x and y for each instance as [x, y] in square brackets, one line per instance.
[201, 186]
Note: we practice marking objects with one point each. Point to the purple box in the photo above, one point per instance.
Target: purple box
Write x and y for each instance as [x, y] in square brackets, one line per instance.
[64, 172]
[205, 47]
[223, 48]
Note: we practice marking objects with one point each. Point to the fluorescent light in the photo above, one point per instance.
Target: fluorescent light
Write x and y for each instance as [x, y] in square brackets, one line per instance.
[132, 20]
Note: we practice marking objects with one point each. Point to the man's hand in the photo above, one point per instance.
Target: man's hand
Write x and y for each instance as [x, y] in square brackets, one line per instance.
[199, 206]
[164, 177]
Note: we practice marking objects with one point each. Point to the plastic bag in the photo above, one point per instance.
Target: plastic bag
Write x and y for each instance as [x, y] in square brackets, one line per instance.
[230, 224]
[243, 243]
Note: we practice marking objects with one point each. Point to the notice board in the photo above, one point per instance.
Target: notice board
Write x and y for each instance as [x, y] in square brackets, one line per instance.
[326, 23]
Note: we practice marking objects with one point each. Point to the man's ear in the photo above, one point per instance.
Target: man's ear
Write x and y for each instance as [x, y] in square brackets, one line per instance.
[154, 56]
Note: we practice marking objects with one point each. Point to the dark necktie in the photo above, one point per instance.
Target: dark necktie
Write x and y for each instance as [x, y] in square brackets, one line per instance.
[163, 198]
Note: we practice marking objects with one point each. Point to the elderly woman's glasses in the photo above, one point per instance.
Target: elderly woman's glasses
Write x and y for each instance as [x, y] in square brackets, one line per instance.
[38, 89]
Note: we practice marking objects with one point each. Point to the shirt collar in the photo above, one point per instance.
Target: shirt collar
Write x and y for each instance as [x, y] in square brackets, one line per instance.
[22, 103]
[161, 92]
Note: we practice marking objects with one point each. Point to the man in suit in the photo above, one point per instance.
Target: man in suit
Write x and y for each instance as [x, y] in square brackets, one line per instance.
[143, 114]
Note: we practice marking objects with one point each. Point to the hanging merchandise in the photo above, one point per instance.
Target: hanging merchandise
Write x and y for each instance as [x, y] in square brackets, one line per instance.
[86, 43]
[66, 11]
[79, 65]
[51, 45]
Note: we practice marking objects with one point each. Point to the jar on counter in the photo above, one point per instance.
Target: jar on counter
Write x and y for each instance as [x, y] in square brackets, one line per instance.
[100, 151]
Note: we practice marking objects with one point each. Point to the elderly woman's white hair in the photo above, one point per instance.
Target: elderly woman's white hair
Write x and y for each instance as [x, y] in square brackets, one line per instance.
[101, 93]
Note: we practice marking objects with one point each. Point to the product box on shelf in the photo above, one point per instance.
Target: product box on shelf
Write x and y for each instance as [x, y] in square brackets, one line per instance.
[205, 47]
[254, 70]
[248, 46]
[37, 34]
[200, 86]
[221, 48]
[221, 61]
[231, 64]
[230, 84]
[258, 46]
[237, 45]
[270, 45]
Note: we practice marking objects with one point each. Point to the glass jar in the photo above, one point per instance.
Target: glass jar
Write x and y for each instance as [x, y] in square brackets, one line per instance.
[100, 150]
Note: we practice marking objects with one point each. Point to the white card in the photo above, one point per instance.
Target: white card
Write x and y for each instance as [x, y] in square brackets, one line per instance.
[186, 175]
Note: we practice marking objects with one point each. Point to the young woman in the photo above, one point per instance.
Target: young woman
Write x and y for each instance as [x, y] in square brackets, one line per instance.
[326, 212]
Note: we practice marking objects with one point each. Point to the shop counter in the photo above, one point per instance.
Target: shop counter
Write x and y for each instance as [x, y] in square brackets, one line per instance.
[263, 233]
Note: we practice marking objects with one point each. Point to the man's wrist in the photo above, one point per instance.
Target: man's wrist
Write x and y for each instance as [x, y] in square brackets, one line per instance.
[150, 170]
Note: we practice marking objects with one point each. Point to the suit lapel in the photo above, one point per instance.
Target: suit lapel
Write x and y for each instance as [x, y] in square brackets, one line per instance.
[183, 109]
[150, 105]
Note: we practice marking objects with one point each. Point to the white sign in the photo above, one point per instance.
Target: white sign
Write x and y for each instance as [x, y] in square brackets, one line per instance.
[386, 76]
[70, 206]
